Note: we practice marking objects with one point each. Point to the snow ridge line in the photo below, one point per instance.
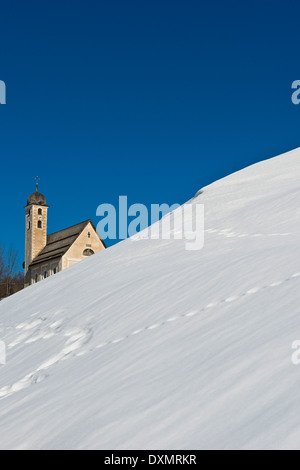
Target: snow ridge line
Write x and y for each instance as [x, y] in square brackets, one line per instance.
[80, 337]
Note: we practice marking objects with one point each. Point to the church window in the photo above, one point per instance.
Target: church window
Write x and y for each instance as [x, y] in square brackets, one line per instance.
[40, 212]
[39, 224]
[89, 235]
[88, 252]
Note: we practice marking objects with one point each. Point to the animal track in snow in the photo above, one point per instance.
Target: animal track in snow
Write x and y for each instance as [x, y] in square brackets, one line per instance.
[193, 313]
[230, 233]
[78, 337]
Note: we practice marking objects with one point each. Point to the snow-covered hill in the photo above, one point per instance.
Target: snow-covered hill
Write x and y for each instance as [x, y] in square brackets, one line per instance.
[150, 346]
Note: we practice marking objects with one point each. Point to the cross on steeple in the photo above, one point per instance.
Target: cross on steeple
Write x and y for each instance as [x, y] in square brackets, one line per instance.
[37, 179]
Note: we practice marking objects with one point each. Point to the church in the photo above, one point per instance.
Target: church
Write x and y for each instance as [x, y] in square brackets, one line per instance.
[45, 254]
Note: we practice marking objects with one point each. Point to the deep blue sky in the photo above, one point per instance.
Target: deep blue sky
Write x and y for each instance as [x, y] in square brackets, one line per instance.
[147, 99]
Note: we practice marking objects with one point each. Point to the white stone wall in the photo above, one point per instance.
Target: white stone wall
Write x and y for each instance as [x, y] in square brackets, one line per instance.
[43, 271]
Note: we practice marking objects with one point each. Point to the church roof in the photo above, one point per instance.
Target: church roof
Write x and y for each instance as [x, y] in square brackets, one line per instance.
[58, 243]
[36, 199]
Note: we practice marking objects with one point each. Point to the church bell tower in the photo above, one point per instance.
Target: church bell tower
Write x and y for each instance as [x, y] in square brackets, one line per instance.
[36, 229]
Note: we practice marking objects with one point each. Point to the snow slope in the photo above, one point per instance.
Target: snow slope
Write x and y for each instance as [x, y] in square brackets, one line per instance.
[150, 346]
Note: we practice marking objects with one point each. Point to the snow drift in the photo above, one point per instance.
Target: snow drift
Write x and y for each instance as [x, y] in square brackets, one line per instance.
[150, 346]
